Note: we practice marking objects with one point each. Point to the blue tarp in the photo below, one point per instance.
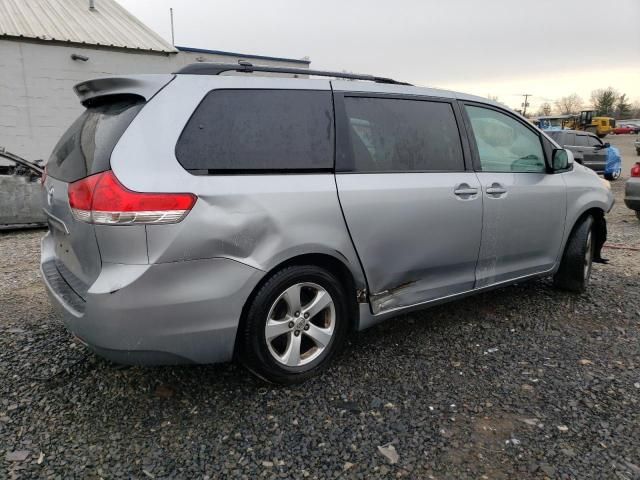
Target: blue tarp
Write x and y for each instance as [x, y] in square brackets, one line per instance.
[614, 161]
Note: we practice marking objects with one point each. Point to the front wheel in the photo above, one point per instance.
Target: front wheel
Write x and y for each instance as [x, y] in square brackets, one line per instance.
[295, 325]
[575, 266]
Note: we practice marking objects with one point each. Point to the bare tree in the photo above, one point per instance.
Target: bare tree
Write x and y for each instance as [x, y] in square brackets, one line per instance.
[569, 105]
[623, 107]
[493, 98]
[545, 109]
[604, 101]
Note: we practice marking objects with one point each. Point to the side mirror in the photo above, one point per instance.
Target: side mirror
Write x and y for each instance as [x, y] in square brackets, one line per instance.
[562, 159]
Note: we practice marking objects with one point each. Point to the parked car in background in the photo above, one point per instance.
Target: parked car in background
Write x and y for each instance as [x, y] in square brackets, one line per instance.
[20, 192]
[272, 216]
[625, 129]
[634, 126]
[632, 190]
[590, 151]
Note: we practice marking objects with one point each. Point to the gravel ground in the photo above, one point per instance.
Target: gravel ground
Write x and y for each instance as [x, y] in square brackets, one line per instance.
[524, 382]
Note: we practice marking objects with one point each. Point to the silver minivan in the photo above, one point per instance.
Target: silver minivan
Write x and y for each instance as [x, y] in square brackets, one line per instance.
[221, 213]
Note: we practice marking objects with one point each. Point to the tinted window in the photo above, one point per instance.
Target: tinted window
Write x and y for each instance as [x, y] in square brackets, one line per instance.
[240, 130]
[85, 148]
[393, 135]
[582, 141]
[504, 144]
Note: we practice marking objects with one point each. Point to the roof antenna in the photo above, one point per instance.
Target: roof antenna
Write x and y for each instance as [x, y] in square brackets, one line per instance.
[92, 5]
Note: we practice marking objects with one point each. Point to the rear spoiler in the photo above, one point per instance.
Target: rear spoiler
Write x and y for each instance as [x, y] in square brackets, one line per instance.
[145, 86]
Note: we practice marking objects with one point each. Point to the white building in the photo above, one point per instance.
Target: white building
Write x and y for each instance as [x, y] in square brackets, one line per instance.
[47, 46]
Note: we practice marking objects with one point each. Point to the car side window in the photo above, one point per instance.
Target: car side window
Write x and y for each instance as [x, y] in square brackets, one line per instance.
[400, 135]
[594, 142]
[570, 139]
[244, 130]
[581, 141]
[504, 144]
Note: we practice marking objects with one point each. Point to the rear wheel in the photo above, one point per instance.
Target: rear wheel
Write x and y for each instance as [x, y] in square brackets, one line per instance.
[295, 325]
[575, 266]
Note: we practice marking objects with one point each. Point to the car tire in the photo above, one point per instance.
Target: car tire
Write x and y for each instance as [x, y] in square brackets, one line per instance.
[613, 176]
[276, 342]
[575, 266]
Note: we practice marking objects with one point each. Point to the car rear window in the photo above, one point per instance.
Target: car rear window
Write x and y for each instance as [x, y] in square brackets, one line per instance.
[399, 135]
[86, 146]
[240, 131]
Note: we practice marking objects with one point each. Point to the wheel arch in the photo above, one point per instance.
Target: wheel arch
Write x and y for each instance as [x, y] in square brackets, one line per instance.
[329, 262]
[599, 230]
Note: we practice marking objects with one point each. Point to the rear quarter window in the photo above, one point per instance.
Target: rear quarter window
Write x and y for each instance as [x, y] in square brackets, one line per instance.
[86, 146]
[236, 131]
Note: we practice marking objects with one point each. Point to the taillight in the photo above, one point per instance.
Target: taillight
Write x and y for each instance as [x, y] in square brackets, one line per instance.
[635, 170]
[102, 199]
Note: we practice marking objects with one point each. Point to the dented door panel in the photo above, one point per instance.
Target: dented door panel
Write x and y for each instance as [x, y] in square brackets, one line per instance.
[417, 240]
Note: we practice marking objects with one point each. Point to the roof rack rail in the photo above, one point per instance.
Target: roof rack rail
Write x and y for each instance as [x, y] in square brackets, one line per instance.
[210, 68]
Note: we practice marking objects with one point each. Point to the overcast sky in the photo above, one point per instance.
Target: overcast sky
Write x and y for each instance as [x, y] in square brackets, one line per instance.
[548, 48]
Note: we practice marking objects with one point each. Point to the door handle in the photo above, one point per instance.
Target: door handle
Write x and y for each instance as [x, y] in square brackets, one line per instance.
[465, 190]
[496, 189]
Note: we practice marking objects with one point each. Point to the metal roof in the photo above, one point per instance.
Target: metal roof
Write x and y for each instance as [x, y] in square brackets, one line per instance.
[107, 25]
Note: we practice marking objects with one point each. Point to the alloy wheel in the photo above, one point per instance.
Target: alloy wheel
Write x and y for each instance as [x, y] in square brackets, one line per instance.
[300, 324]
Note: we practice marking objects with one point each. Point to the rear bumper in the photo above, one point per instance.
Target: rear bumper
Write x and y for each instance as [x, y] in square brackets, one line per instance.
[632, 193]
[170, 313]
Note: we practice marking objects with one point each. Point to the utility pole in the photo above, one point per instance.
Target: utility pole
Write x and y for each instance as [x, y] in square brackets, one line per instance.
[525, 104]
[173, 40]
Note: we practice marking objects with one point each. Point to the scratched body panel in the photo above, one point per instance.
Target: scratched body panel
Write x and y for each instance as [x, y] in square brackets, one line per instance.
[416, 239]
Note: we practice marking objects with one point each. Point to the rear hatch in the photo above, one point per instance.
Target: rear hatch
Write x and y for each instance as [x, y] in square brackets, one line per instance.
[84, 149]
